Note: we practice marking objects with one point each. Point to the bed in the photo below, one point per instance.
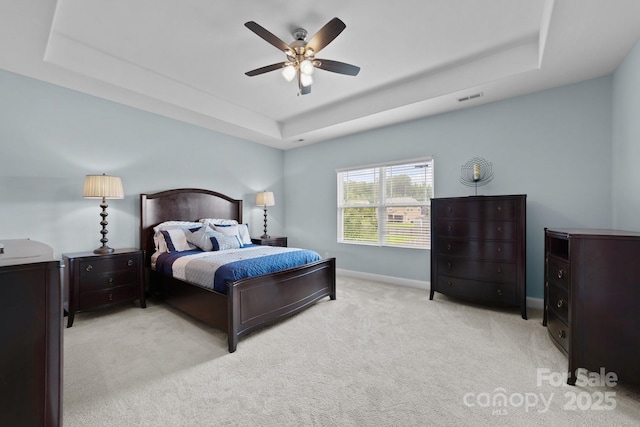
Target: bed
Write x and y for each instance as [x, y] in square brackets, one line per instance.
[248, 303]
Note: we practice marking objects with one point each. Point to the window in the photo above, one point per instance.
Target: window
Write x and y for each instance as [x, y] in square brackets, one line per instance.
[386, 204]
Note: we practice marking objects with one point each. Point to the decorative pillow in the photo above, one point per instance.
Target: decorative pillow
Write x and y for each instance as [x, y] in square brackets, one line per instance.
[222, 242]
[202, 237]
[176, 240]
[233, 230]
[159, 238]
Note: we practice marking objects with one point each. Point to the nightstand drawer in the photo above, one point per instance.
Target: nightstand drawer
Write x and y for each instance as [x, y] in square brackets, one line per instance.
[106, 281]
[110, 296]
[270, 241]
[111, 264]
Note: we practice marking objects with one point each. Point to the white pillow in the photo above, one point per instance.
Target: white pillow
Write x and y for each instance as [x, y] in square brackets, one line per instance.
[217, 221]
[243, 234]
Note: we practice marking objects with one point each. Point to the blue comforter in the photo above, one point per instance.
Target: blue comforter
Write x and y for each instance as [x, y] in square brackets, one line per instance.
[213, 270]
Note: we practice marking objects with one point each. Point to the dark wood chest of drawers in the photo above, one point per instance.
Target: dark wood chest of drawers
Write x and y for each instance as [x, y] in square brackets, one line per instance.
[30, 335]
[478, 246]
[100, 280]
[592, 299]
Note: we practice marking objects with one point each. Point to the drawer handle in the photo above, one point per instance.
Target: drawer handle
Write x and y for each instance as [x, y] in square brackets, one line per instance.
[499, 229]
[450, 283]
[448, 228]
[449, 209]
[562, 334]
[499, 270]
[130, 262]
[110, 280]
[560, 303]
[448, 246]
[499, 208]
[561, 273]
[89, 267]
[499, 250]
[110, 297]
[449, 265]
[499, 291]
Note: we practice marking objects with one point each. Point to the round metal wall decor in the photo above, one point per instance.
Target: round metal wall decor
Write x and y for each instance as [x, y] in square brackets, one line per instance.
[476, 172]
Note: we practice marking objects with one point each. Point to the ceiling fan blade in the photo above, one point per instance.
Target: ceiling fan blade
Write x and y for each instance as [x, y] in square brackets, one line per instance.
[337, 67]
[265, 69]
[326, 34]
[267, 36]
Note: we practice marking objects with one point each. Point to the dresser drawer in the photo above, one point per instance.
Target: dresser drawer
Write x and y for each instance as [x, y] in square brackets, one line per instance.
[477, 249]
[471, 209]
[480, 270]
[558, 330]
[107, 280]
[493, 230]
[110, 296]
[557, 272]
[98, 265]
[487, 292]
[558, 302]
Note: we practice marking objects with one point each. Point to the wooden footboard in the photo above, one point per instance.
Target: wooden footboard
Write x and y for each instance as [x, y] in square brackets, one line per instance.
[258, 301]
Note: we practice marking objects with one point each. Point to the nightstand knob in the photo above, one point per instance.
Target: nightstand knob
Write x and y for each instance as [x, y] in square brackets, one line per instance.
[449, 283]
[499, 250]
[560, 303]
[499, 208]
[89, 267]
[448, 228]
[449, 265]
[560, 274]
[499, 270]
[449, 209]
[449, 247]
[110, 297]
[130, 262]
[562, 334]
[110, 280]
[499, 291]
[499, 229]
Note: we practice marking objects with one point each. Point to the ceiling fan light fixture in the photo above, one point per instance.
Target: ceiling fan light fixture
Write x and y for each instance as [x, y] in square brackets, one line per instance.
[306, 67]
[289, 72]
[306, 80]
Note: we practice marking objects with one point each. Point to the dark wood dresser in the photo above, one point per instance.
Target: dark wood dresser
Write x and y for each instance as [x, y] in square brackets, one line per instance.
[478, 247]
[592, 299]
[30, 335]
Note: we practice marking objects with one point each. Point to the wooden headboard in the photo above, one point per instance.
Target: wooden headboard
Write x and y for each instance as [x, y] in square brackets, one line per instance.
[183, 204]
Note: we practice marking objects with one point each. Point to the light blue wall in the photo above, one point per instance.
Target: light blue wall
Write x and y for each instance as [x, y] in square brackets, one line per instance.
[626, 143]
[51, 137]
[554, 146]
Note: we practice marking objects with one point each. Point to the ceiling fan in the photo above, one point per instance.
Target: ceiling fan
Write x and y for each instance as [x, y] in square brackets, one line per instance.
[301, 60]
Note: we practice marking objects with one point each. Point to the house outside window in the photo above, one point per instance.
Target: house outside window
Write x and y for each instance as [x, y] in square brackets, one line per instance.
[386, 204]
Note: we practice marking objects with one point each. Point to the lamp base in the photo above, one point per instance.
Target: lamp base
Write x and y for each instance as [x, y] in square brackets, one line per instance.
[103, 250]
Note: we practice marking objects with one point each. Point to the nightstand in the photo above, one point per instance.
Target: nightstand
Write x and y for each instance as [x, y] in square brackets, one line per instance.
[270, 241]
[100, 280]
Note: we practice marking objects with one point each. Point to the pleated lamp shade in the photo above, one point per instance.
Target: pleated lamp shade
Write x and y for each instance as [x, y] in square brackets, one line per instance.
[103, 186]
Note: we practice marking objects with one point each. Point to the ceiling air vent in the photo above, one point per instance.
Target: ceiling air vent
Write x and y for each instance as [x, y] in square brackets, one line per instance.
[470, 97]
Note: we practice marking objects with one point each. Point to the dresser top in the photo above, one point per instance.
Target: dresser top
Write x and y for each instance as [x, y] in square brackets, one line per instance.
[24, 251]
[592, 232]
[480, 197]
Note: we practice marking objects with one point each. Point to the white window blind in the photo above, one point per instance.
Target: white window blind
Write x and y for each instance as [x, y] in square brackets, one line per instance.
[386, 204]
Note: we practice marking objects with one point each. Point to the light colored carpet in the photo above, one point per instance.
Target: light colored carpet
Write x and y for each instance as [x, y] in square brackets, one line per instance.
[380, 355]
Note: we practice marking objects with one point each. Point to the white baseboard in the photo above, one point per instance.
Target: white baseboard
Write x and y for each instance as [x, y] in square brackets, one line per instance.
[420, 284]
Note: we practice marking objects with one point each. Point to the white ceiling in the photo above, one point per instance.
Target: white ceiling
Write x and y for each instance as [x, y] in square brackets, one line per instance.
[186, 59]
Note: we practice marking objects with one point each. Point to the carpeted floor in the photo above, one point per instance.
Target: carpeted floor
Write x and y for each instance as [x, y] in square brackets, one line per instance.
[380, 355]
